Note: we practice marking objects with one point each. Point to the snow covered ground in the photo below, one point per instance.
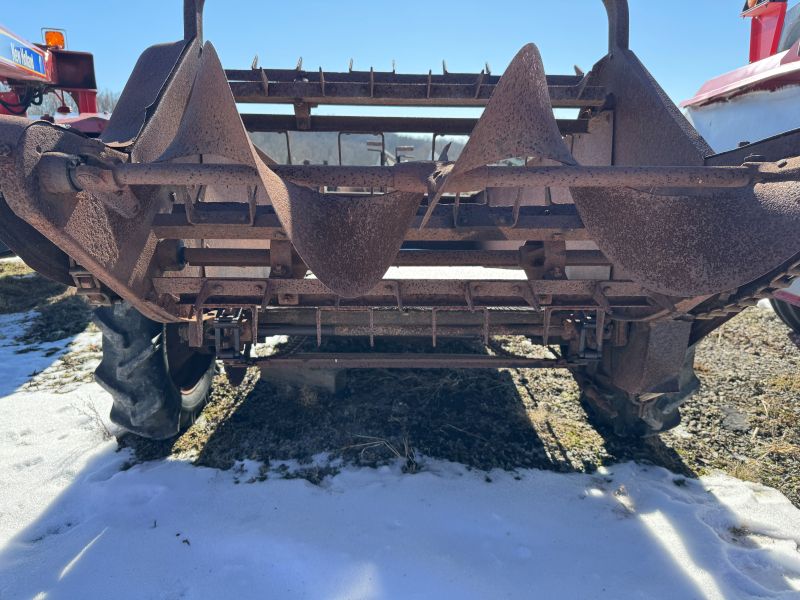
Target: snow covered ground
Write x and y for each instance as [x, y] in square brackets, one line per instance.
[74, 524]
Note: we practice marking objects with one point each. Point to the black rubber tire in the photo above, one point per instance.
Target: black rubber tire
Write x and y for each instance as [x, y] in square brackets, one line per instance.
[159, 385]
[36, 251]
[629, 416]
[620, 413]
[789, 314]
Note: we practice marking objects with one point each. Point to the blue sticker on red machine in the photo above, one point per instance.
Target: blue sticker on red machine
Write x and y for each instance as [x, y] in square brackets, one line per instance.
[21, 54]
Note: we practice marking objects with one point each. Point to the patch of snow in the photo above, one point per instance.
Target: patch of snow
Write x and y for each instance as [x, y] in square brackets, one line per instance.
[74, 524]
[17, 363]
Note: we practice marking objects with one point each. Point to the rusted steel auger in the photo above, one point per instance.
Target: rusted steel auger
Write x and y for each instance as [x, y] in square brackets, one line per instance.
[623, 240]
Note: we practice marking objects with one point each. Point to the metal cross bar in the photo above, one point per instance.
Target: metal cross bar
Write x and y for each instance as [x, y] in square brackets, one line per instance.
[225, 220]
[413, 176]
[359, 124]
[254, 257]
[489, 291]
[392, 89]
[411, 361]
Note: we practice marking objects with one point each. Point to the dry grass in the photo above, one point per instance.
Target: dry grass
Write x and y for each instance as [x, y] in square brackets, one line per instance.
[59, 313]
[785, 382]
[14, 267]
[22, 290]
[61, 317]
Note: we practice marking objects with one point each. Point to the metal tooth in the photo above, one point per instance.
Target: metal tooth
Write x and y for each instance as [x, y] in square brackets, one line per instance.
[371, 82]
[254, 64]
[444, 67]
[350, 66]
[479, 83]
[299, 66]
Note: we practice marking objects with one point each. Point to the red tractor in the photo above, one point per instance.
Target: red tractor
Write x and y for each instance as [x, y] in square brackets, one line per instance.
[28, 72]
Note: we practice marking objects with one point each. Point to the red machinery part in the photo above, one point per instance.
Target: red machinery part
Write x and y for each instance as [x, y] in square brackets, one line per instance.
[767, 20]
[29, 68]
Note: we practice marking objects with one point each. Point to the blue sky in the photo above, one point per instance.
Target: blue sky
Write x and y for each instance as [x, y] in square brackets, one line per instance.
[682, 42]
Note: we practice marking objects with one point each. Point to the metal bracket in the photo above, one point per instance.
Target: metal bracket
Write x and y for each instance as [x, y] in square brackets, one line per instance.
[87, 285]
[555, 258]
[302, 114]
[394, 287]
[529, 294]
[227, 328]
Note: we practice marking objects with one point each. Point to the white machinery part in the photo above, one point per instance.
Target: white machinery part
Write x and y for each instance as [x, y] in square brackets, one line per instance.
[747, 118]
[750, 117]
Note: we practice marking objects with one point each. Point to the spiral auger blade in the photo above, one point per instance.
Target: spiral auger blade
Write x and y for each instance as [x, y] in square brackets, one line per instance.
[518, 121]
[348, 242]
[688, 243]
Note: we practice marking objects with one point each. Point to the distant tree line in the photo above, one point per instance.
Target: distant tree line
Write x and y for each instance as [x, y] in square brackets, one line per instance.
[52, 101]
[321, 148]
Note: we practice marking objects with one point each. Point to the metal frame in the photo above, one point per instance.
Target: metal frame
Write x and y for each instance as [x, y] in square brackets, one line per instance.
[143, 217]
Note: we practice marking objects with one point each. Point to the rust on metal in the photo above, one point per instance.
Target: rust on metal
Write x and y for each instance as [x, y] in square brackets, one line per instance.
[517, 122]
[475, 222]
[630, 241]
[414, 177]
[411, 361]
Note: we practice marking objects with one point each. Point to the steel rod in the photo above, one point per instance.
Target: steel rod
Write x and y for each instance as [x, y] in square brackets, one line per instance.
[226, 257]
[413, 177]
[359, 124]
[475, 223]
[443, 331]
[410, 361]
[250, 257]
[399, 94]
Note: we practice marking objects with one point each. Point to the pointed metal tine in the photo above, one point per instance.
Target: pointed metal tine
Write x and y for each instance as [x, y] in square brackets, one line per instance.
[394, 69]
[299, 66]
[371, 82]
[479, 83]
[443, 155]
[487, 68]
[444, 67]
[578, 71]
[254, 64]
[350, 66]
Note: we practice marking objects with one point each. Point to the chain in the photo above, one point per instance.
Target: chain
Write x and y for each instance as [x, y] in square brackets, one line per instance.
[749, 295]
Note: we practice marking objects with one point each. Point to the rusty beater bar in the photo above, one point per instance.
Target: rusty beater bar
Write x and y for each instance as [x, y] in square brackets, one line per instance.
[413, 177]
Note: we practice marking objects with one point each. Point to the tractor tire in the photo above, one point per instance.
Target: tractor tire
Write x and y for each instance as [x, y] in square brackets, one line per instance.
[788, 313]
[636, 416]
[158, 383]
[35, 250]
[629, 417]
